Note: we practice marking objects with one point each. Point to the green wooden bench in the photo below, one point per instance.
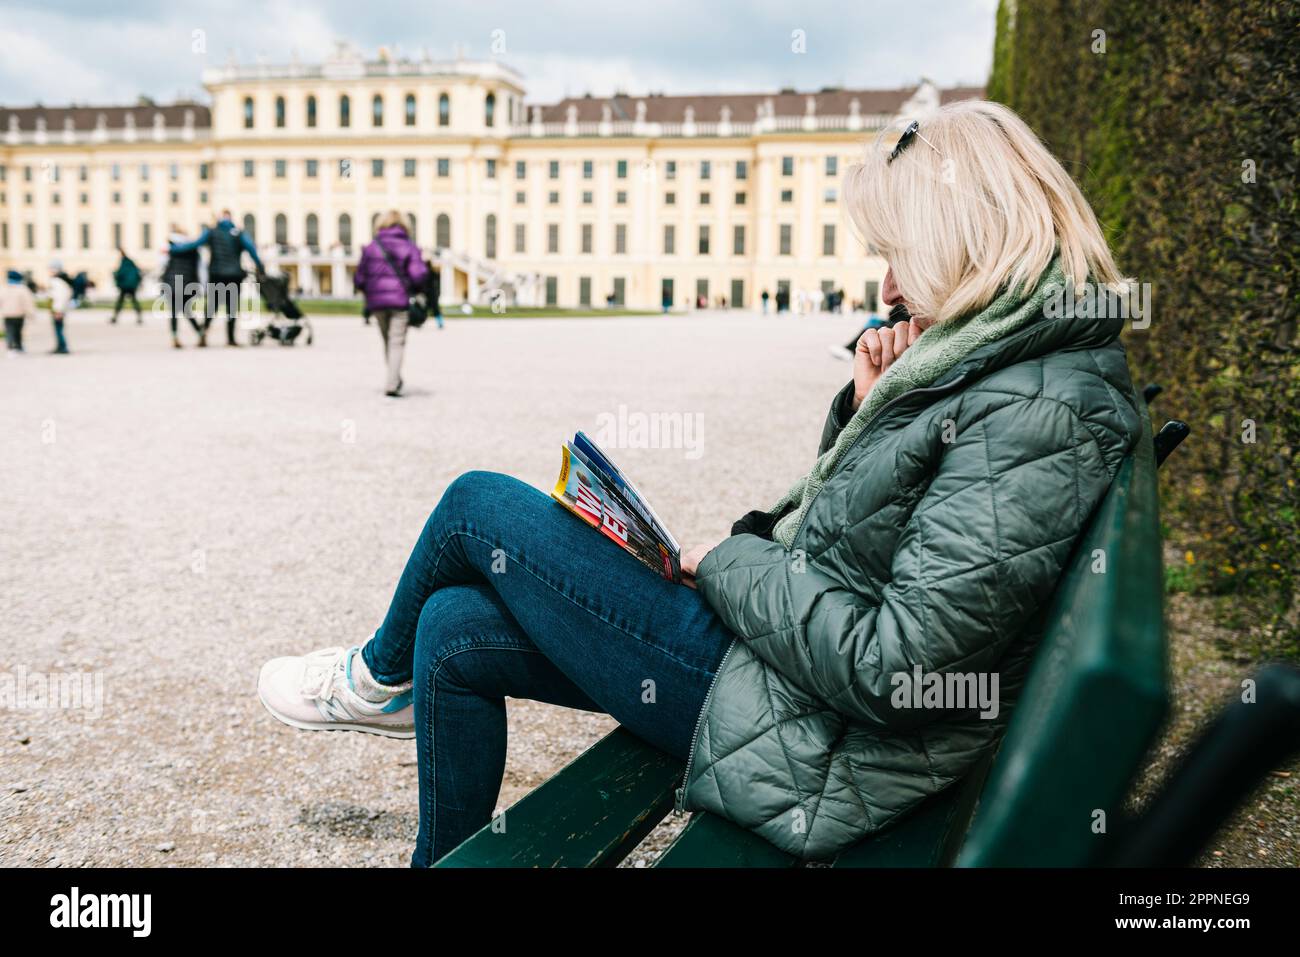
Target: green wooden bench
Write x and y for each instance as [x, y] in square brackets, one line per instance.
[1094, 701]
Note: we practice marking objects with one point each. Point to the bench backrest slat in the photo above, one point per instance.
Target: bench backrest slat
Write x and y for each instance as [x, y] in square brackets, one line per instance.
[1095, 697]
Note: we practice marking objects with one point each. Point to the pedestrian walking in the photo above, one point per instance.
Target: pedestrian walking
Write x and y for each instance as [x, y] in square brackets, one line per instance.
[391, 270]
[181, 286]
[127, 279]
[17, 305]
[60, 301]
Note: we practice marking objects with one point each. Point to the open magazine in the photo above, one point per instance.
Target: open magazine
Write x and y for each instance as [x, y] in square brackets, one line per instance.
[592, 487]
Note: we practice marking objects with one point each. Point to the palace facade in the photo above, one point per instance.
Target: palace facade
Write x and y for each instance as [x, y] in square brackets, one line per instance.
[634, 198]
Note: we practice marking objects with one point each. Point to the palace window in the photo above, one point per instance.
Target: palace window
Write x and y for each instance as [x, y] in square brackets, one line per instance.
[444, 110]
[248, 112]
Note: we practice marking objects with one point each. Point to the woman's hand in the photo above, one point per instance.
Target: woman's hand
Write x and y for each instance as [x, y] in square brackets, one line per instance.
[877, 350]
[691, 559]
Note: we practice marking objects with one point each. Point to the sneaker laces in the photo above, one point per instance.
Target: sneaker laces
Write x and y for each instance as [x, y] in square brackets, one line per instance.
[321, 670]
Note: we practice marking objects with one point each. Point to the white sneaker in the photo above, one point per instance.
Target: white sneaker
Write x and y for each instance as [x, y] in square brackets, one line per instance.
[314, 692]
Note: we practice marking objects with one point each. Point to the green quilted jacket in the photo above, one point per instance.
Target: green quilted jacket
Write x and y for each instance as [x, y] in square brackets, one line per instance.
[936, 543]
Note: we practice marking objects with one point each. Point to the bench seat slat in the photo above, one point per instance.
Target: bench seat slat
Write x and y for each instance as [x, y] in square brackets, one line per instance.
[591, 814]
[711, 841]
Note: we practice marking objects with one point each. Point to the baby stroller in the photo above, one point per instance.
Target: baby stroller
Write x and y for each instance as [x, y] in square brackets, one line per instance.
[286, 321]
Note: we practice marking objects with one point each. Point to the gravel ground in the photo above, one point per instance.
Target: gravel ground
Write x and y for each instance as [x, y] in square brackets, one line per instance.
[1265, 830]
[176, 518]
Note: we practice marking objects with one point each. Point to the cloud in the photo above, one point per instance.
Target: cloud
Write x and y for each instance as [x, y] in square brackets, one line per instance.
[88, 51]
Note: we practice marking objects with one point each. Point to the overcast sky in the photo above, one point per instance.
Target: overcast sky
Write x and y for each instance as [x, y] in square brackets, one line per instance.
[91, 51]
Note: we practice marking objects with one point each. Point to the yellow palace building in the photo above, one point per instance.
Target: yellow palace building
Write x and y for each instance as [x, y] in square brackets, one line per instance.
[630, 200]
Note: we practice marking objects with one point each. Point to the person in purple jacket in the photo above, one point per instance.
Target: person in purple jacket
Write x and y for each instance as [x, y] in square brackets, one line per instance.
[390, 266]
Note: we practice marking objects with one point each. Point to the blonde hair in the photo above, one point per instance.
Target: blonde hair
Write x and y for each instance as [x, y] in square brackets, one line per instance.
[977, 206]
[392, 218]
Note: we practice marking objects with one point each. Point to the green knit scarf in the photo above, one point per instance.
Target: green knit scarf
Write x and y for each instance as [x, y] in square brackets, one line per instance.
[935, 352]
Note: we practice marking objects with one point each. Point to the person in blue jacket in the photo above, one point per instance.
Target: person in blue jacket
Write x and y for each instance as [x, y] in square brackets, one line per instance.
[226, 244]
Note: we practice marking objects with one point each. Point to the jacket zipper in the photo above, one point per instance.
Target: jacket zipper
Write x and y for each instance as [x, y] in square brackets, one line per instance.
[679, 796]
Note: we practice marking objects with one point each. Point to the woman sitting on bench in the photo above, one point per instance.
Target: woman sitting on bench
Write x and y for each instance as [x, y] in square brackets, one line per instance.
[955, 473]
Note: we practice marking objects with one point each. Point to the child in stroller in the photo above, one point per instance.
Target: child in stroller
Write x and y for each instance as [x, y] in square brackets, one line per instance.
[286, 321]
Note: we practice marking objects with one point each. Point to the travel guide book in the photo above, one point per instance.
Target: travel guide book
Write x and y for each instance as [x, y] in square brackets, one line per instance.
[592, 487]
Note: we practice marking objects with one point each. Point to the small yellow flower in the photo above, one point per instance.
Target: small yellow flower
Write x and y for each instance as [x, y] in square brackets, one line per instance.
[1189, 557]
[1229, 569]
[1276, 567]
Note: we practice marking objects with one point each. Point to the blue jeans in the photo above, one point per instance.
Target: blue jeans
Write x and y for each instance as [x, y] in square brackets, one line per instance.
[509, 595]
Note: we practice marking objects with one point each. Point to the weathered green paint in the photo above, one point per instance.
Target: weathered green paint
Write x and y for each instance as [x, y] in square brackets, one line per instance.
[591, 814]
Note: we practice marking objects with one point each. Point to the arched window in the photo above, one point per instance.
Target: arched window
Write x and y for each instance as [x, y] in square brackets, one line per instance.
[490, 237]
[311, 111]
[490, 109]
[442, 237]
[410, 109]
[281, 229]
[345, 110]
[313, 232]
[248, 112]
[279, 112]
[250, 226]
[345, 230]
[444, 110]
[377, 111]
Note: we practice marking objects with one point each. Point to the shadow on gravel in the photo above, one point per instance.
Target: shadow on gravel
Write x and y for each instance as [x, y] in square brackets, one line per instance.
[353, 821]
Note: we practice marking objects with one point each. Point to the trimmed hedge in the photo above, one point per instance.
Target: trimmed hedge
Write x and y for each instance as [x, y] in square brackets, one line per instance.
[1181, 122]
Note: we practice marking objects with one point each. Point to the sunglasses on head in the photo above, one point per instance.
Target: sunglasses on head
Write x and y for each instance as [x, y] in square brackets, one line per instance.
[905, 138]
